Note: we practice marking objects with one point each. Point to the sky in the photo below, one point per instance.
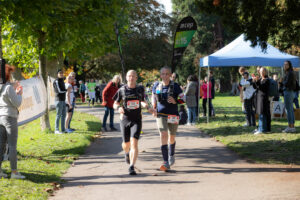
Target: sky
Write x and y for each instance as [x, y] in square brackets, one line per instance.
[167, 4]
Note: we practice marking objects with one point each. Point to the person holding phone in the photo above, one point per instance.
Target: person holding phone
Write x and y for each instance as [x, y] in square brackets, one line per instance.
[10, 101]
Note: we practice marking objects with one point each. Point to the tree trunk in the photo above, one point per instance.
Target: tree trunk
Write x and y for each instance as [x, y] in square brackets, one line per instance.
[1, 53]
[44, 120]
[54, 64]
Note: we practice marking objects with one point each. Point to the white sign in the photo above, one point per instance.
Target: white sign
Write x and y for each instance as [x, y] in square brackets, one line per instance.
[278, 107]
[33, 100]
[51, 94]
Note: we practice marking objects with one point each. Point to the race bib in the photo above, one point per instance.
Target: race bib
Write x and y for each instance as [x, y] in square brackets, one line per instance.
[173, 119]
[133, 104]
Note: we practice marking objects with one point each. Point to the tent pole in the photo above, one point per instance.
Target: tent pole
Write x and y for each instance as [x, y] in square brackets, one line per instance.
[199, 74]
[207, 99]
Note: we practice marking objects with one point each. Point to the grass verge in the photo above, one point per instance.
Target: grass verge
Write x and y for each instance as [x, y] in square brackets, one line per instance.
[44, 157]
[272, 148]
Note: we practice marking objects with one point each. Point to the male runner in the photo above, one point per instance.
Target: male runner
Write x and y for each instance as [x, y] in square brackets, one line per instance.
[164, 99]
[128, 101]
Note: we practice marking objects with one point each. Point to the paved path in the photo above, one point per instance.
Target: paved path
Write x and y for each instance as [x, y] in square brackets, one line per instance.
[204, 169]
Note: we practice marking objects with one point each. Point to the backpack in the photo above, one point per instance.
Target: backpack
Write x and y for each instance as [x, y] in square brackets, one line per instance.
[273, 88]
[160, 88]
[139, 93]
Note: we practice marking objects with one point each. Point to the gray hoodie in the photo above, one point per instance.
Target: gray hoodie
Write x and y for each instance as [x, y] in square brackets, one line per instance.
[9, 101]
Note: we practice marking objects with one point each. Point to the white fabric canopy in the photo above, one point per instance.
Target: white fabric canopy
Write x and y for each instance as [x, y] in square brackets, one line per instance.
[240, 53]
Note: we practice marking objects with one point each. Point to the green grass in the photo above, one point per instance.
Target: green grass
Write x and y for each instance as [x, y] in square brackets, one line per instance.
[44, 157]
[272, 148]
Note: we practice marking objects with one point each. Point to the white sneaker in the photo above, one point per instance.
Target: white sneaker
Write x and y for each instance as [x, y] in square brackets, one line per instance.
[18, 175]
[189, 124]
[289, 130]
[257, 132]
[245, 125]
[57, 132]
[2, 174]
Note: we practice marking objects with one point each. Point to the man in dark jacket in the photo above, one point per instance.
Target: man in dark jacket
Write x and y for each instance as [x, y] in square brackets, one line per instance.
[60, 98]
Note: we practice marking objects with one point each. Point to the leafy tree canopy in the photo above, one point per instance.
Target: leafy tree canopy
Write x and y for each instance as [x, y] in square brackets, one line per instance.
[260, 20]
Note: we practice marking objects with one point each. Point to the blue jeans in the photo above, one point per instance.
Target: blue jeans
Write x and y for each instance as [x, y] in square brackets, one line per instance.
[60, 115]
[110, 112]
[192, 114]
[288, 103]
[262, 123]
[296, 101]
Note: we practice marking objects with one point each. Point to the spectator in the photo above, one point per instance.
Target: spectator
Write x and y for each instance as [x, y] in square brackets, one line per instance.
[289, 86]
[74, 90]
[205, 97]
[91, 90]
[174, 77]
[262, 102]
[98, 91]
[69, 103]
[248, 91]
[10, 101]
[60, 98]
[212, 80]
[102, 86]
[234, 88]
[191, 100]
[107, 96]
[82, 90]
[275, 78]
[182, 115]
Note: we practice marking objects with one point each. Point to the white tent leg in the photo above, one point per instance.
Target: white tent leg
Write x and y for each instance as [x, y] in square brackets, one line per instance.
[199, 91]
[207, 99]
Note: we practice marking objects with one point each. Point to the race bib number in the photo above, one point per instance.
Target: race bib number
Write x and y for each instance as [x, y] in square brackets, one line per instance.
[173, 119]
[133, 104]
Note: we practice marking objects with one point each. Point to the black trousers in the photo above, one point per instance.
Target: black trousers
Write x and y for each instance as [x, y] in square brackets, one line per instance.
[204, 101]
[250, 115]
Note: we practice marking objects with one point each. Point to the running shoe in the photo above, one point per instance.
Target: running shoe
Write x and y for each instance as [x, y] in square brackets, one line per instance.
[257, 132]
[131, 170]
[171, 160]
[17, 175]
[2, 174]
[127, 160]
[165, 167]
[68, 131]
[113, 129]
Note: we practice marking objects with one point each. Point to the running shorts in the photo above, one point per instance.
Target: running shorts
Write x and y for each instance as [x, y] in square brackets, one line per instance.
[130, 129]
[163, 125]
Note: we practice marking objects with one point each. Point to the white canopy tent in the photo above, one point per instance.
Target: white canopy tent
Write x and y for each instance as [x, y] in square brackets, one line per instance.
[240, 53]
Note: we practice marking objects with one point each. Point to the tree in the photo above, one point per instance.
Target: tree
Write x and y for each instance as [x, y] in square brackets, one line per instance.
[145, 41]
[260, 20]
[62, 27]
[210, 36]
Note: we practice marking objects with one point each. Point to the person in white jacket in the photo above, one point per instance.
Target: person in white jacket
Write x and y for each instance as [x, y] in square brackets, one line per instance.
[10, 101]
[248, 93]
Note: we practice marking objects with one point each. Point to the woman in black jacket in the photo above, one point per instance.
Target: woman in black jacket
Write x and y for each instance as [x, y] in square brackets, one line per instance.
[289, 85]
[262, 102]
